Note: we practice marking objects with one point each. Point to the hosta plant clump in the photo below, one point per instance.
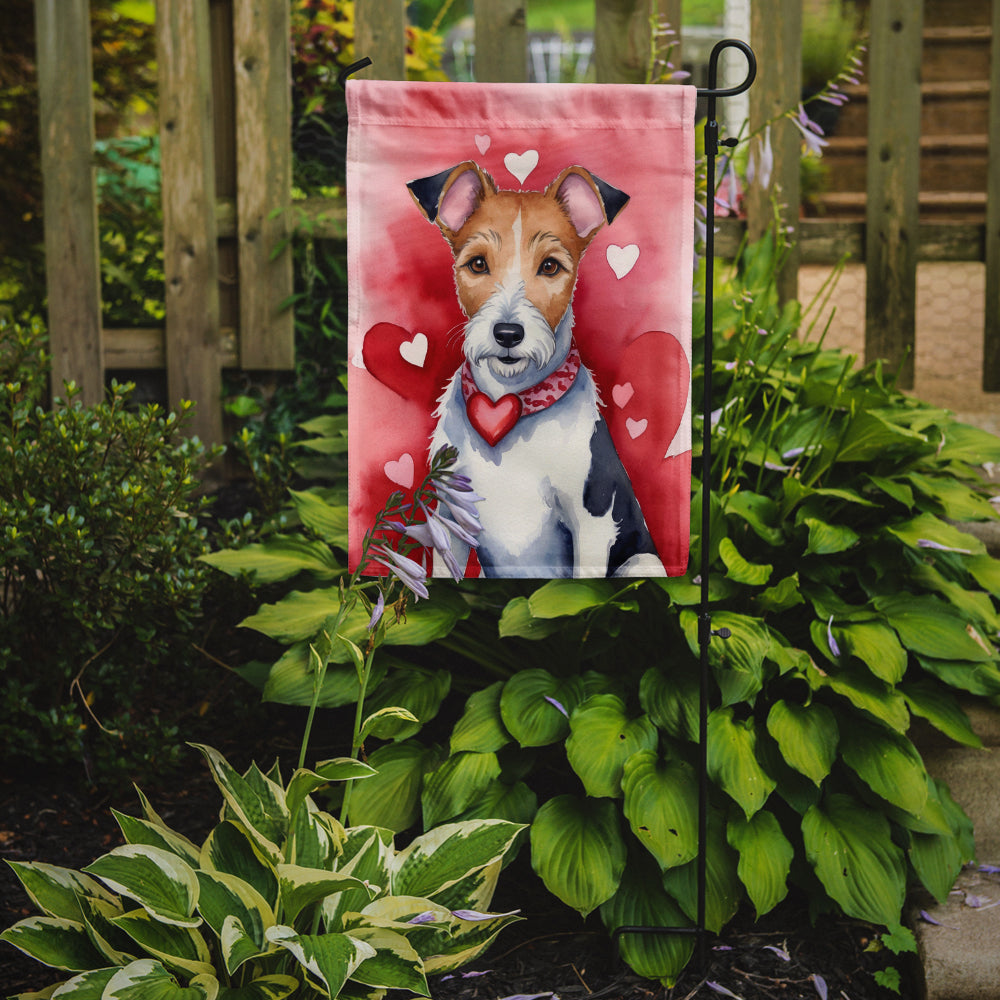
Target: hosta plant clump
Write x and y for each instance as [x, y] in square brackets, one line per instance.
[279, 900]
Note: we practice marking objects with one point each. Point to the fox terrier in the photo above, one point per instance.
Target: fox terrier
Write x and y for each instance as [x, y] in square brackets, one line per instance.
[522, 410]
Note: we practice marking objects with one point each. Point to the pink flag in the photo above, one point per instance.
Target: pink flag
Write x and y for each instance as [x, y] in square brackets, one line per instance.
[520, 278]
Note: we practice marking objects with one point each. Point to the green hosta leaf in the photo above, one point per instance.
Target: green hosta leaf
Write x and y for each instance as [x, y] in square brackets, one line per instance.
[723, 889]
[641, 901]
[230, 849]
[807, 736]
[86, 986]
[602, 738]
[864, 691]
[738, 661]
[386, 723]
[481, 728]
[279, 558]
[141, 831]
[56, 891]
[395, 964]
[965, 443]
[957, 501]
[739, 569]
[330, 959]
[578, 851]
[391, 798]
[888, 763]
[456, 784]
[941, 709]
[732, 760]
[327, 520]
[159, 881]
[443, 856]
[783, 595]
[928, 528]
[661, 798]
[827, 539]
[54, 941]
[931, 628]
[226, 898]
[301, 887]
[893, 488]
[559, 598]
[517, 620]
[275, 987]
[765, 858]
[976, 678]
[417, 690]
[937, 860]
[530, 706]
[986, 571]
[975, 605]
[876, 646]
[671, 700]
[870, 436]
[516, 803]
[758, 511]
[304, 782]
[850, 848]
[147, 979]
[260, 809]
[180, 948]
[291, 680]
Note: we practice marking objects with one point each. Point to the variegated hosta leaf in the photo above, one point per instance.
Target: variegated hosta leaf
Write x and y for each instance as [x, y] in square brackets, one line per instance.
[888, 763]
[850, 847]
[177, 947]
[141, 831]
[391, 799]
[54, 941]
[807, 736]
[56, 891]
[147, 979]
[732, 760]
[456, 784]
[481, 727]
[304, 782]
[661, 799]
[602, 737]
[274, 987]
[395, 964]
[642, 902]
[468, 939]
[578, 851]
[256, 801]
[475, 891]
[315, 838]
[158, 880]
[441, 857]
[86, 986]
[535, 706]
[328, 959]
[230, 849]
[116, 946]
[300, 887]
[367, 853]
[765, 858]
[225, 897]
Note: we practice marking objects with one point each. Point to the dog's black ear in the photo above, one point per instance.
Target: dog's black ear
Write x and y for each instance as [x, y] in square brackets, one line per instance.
[426, 192]
[614, 200]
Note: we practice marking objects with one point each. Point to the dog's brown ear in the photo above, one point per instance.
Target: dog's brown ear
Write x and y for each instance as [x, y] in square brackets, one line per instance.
[587, 200]
[450, 197]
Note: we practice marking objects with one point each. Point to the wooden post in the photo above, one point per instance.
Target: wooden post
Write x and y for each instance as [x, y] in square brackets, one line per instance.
[893, 184]
[380, 34]
[991, 333]
[501, 41]
[776, 35]
[190, 254]
[72, 255]
[262, 61]
[622, 40]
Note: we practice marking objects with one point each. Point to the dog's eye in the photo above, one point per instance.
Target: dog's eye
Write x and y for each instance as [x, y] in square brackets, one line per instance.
[550, 266]
[478, 265]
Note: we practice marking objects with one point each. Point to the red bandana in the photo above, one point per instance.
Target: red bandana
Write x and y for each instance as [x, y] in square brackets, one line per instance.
[494, 420]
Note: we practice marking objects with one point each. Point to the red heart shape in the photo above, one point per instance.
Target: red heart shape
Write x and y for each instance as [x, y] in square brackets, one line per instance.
[383, 358]
[493, 420]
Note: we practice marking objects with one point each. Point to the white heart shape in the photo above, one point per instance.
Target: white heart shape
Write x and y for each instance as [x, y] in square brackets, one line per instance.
[621, 394]
[414, 351]
[483, 142]
[400, 472]
[622, 259]
[521, 164]
[636, 427]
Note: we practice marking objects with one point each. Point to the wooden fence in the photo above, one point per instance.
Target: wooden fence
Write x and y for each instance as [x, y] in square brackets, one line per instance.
[226, 161]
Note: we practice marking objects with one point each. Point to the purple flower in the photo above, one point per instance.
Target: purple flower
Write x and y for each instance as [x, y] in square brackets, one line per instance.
[410, 573]
[820, 983]
[377, 611]
[761, 163]
[558, 705]
[927, 543]
[427, 917]
[811, 132]
[780, 952]
[834, 648]
[719, 988]
[475, 915]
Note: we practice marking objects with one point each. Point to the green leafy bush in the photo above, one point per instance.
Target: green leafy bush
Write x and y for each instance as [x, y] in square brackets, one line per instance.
[855, 603]
[101, 587]
[280, 899]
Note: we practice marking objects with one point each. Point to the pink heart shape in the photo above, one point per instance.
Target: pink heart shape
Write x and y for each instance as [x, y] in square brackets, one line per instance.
[636, 427]
[400, 472]
[483, 143]
[621, 394]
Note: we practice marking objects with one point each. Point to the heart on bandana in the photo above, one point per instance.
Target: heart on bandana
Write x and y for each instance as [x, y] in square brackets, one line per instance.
[521, 164]
[493, 420]
[413, 365]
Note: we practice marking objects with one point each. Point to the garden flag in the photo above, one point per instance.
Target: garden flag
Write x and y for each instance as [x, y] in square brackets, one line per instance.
[520, 273]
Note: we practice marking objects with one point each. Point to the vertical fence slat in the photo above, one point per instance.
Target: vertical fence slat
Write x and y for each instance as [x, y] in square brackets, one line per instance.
[261, 57]
[501, 41]
[991, 333]
[621, 40]
[72, 257]
[776, 35]
[380, 34]
[893, 183]
[190, 253]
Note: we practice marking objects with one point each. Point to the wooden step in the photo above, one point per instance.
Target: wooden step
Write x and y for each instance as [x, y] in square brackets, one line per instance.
[957, 206]
[945, 12]
[956, 53]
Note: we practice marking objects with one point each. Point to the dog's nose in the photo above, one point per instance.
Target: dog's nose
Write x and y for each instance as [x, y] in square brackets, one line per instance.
[508, 334]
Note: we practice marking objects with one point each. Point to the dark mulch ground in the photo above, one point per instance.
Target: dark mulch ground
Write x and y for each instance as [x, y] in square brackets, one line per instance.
[551, 951]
